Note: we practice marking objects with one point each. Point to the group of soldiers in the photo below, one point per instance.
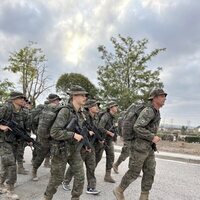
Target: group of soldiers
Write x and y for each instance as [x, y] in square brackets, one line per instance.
[73, 135]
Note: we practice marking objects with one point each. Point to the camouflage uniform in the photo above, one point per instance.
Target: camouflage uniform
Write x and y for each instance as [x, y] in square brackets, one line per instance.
[126, 145]
[63, 151]
[107, 123]
[10, 151]
[141, 153]
[89, 159]
[35, 113]
[45, 145]
[20, 146]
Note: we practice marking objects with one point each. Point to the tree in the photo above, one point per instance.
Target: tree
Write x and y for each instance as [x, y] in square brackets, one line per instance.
[5, 87]
[66, 81]
[30, 63]
[125, 74]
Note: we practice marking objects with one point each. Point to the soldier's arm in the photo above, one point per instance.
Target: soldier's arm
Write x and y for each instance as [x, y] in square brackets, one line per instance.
[57, 130]
[102, 123]
[140, 126]
[2, 112]
[27, 121]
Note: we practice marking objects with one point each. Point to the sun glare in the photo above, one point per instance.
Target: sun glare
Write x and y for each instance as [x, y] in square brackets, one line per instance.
[157, 5]
[74, 48]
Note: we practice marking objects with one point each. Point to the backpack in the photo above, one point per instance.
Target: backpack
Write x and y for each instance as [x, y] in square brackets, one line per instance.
[46, 120]
[100, 115]
[129, 120]
[35, 115]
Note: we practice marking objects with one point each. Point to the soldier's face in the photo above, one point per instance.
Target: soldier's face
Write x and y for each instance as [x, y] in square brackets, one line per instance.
[80, 99]
[19, 101]
[94, 109]
[160, 100]
[114, 109]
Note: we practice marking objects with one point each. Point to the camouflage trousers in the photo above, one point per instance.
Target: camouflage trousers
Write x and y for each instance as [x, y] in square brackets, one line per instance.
[124, 152]
[141, 158]
[18, 149]
[89, 160]
[109, 150]
[42, 153]
[34, 152]
[58, 165]
[8, 169]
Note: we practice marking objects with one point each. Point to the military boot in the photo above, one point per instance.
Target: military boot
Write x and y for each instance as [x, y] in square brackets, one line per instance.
[108, 177]
[21, 170]
[118, 192]
[10, 192]
[2, 188]
[45, 197]
[144, 196]
[34, 174]
[47, 163]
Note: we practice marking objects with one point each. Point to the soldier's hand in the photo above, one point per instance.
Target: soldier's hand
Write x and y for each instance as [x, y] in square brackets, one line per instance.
[5, 128]
[91, 133]
[88, 149]
[110, 134]
[156, 139]
[78, 137]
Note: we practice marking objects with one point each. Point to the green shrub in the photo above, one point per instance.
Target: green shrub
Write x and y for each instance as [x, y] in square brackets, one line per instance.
[191, 139]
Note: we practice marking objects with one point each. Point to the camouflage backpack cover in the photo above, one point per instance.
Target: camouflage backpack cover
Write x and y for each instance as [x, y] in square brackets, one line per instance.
[46, 120]
[130, 118]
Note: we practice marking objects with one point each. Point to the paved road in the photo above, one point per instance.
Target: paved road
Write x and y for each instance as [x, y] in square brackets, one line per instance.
[174, 181]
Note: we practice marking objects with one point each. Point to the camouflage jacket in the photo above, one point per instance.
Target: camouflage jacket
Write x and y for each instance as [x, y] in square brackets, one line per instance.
[58, 131]
[146, 125]
[35, 114]
[22, 117]
[106, 123]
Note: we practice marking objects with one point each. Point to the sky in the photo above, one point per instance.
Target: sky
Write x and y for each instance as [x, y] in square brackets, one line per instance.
[69, 32]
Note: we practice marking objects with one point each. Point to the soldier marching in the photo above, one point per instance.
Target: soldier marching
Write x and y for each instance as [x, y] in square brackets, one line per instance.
[70, 145]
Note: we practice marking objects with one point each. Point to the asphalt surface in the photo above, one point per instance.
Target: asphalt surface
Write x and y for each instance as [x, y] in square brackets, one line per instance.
[174, 180]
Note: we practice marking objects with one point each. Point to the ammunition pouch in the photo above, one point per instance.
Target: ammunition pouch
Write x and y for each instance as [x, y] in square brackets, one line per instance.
[58, 148]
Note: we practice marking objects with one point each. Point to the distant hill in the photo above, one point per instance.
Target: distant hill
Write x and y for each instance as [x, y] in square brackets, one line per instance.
[175, 126]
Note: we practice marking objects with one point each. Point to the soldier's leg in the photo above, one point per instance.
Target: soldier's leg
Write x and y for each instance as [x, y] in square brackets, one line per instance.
[34, 152]
[109, 149]
[123, 155]
[90, 169]
[8, 170]
[20, 157]
[68, 175]
[99, 148]
[148, 172]
[76, 163]
[136, 162]
[47, 160]
[58, 165]
[41, 154]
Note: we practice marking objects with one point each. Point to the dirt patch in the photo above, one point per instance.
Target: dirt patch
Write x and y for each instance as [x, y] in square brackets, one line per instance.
[179, 147]
[175, 147]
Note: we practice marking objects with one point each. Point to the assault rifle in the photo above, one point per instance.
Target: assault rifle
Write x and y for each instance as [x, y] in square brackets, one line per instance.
[113, 130]
[18, 133]
[75, 127]
[93, 128]
[154, 147]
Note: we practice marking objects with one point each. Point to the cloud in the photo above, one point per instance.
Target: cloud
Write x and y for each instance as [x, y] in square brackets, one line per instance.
[69, 33]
